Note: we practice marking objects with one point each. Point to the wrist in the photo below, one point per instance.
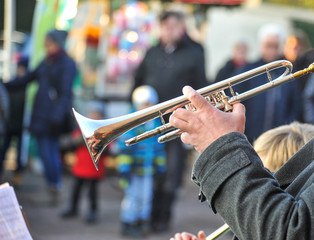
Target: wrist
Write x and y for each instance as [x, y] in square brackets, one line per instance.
[211, 150]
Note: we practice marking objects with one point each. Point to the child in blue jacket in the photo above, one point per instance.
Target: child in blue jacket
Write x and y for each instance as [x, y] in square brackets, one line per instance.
[137, 165]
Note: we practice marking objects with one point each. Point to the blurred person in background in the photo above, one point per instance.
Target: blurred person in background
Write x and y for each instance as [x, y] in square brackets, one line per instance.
[4, 111]
[275, 107]
[238, 60]
[138, 166]
[174, 62]
[308, 100]
[14, 127]
[303, 61]
[84, 171]
[296, 45]
[52, 104]
[306, 86]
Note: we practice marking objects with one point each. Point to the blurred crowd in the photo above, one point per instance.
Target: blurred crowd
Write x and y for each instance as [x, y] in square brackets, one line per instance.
[150, 174]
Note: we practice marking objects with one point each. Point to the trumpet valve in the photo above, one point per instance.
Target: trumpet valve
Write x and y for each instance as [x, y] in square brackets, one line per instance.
[227, 106]
[223, 100]
[190, 107]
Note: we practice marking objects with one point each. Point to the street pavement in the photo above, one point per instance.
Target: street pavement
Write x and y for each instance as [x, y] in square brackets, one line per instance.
[45, 223]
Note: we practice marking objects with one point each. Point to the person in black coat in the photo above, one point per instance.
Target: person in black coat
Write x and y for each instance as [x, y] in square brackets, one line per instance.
[4, 109]
[14, 124]
[53, 101]
[275, 107]
[174, 62]
[306, 86]
[308, 99]
[238, 60]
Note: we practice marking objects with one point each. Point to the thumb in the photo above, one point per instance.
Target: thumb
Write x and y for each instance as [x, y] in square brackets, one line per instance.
[195, 98]
[239, 114]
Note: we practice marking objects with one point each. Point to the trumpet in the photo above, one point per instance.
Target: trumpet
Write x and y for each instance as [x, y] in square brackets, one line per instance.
[99, 133]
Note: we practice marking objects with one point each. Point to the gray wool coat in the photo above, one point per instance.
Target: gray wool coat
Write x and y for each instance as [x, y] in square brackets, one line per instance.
[255, 203]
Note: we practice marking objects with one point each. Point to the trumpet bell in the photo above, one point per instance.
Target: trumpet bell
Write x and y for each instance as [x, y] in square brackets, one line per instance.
[95, 140]
[98, 134]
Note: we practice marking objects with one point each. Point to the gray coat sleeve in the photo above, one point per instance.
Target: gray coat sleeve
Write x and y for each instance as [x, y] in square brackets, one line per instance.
[247, 196]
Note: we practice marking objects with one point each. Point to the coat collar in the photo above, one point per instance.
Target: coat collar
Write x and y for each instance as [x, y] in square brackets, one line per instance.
[296, 164]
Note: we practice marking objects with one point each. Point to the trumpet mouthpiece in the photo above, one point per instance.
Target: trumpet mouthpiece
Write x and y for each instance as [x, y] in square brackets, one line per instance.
[311, 68]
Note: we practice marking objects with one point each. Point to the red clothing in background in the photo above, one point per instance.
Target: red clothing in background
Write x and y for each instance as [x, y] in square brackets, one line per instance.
[84, 166]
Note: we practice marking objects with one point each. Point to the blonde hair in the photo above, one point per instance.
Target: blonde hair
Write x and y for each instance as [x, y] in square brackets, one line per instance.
[277, 145]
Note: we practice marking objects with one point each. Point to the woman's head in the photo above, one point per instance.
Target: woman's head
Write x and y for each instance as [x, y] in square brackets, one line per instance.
[55, 41]
[277, 145]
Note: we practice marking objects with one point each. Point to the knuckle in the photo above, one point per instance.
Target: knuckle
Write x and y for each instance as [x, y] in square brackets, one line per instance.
[193, 96]
[180, 111]
[173, 121]
[176, 113]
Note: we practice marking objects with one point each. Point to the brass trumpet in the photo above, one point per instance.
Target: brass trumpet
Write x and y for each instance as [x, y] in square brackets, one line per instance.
[99, 133]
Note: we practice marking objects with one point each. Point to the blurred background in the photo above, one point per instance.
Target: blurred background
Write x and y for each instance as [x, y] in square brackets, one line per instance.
[108, 40]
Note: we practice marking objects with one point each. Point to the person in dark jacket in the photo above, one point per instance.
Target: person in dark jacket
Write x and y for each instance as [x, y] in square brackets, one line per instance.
[55, 76]
[278, 106]
[308, 99]
[175, 62]
[14, 125]
[254, 203]
[306, 86]
[238, 60]
[303, 61]
[4, 109]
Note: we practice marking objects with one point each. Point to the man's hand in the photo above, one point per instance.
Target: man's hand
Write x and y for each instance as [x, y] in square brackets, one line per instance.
[203, 126]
